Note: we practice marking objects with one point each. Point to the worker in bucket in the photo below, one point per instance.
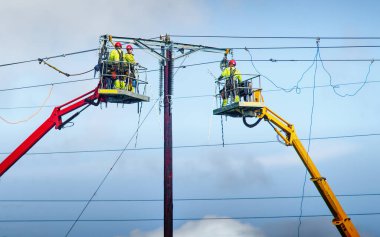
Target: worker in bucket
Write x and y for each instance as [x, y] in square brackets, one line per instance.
[116, 59]
[233, 78]
[129, 58]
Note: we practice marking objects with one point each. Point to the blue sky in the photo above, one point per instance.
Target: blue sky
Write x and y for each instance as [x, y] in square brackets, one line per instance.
[43, 28]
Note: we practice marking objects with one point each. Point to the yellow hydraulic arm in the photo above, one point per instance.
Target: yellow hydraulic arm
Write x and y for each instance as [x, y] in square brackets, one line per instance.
[286, 131]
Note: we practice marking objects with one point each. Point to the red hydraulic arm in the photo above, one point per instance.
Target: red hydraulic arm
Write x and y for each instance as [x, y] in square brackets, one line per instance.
[55, 120]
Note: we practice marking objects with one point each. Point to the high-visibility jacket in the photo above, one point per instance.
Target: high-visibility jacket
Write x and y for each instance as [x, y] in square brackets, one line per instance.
[232, 71]
[116, 55]
[130, 58]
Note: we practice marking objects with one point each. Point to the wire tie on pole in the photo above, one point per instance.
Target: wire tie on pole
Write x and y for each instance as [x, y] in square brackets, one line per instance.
[318, 40]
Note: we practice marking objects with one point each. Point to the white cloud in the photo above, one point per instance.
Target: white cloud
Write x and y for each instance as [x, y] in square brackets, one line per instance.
[206, 228]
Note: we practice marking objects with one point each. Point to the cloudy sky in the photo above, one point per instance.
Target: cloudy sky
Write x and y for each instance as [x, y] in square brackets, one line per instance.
[49, 186]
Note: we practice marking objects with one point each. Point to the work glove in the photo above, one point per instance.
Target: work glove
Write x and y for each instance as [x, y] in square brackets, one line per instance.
[96, 69]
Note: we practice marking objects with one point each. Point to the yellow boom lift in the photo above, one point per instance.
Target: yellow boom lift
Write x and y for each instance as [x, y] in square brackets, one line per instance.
[253, 106]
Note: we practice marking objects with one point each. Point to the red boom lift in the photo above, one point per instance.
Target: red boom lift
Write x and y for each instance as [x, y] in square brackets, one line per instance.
[102, 93]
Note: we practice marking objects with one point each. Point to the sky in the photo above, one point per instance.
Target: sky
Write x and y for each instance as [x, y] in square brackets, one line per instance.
[64, 169]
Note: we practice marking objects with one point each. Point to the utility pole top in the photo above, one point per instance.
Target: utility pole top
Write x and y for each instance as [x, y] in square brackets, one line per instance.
[165, 38]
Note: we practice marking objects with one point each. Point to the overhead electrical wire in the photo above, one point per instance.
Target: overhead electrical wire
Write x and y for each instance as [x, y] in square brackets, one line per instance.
[184, 66]
[108, 172]
[211, 62]
[40, 60]
[32, 115]
[46, 58]
[190, 199]
[235, 48]
[276, 37]
[185, 219]
[174, 98]
[315, 61]
[309, 135]
[47, 84]
[334, 86]
[194, 146]
[307, 47]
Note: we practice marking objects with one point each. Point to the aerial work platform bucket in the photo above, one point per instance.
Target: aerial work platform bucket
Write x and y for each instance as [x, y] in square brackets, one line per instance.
[253, 100]
[122, 96]
[119, 81]
[239, 109]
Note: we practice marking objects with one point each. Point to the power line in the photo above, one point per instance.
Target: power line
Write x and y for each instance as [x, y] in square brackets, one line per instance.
[309, 136]
[28, 107]
[190, 199]
[275, 37]
[205, 63]
[178, 97]
[194, 146]
[307, 47]
[235, 48]
[334, 86]
[46, 58]
[108, 172]
[283, 60]
[186, 219]
[30, 116]
[306, 60]
[48, 84]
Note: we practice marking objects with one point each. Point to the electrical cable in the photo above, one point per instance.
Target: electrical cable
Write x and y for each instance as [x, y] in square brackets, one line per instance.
[193, 146]
[108, 173]
[46, 58]
[274, 37]
[253, 65]
[179, 97]
[40, 60]
[192, 199]
[47, 84]
[27, 107]
[309, 137]
[306, 47]
[223, 141]
[180, 66]
[185, 219]
[315, 60]
[273, 60]
[190, 65]
[139, 109]
[335, 86]
[32, 115]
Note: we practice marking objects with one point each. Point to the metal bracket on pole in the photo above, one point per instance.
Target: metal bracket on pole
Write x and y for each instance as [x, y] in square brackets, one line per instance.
[151, 51]
[188, 53]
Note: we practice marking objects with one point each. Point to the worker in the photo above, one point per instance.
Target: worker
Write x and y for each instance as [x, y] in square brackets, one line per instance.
[116, 59]
[233, 77]
[129, 58]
